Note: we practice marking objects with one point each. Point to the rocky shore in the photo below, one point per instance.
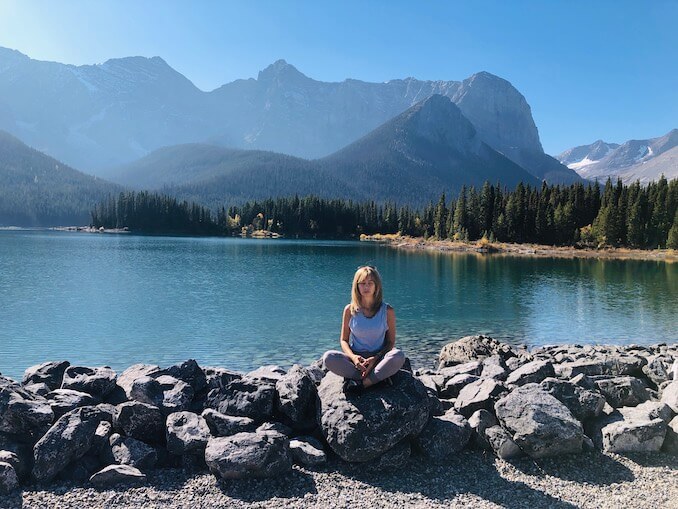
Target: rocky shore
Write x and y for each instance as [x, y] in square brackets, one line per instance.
[490, 421]
[529, 250]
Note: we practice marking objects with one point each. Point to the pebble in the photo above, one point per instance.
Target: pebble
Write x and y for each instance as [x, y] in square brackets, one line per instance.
[471, 479]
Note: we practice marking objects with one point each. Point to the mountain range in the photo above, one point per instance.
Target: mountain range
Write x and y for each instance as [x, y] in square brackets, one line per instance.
[97, 117]
[410, 159]
[643, 160]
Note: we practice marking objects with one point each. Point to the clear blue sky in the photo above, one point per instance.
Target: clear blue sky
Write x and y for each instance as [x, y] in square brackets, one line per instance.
[589, 69]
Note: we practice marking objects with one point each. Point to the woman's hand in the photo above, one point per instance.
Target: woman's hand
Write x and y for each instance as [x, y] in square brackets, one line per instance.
[368, 365]
[359, 362]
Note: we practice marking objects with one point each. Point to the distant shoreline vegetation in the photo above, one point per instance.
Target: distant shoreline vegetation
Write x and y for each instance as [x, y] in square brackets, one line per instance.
[617, 215]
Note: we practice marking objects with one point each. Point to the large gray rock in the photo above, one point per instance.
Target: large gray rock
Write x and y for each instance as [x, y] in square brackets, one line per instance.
[669, 395]
[481, 394]
[296, 398]
[363, 427]
[444, 436]
[218, 378]
[532, 372]
[613, 364]
[129, 451]
[472, 348]
[479, 422]
[8, 478]
[246, 397]
[501, 443]
[455, 384]
[186, 433]
[538, 423]
[22, 413]
[495, 367]
[671, 440]
[249, 455]
[165, 392]
[69, 438]
[221, 425]
[189, 372]
[583, 404]
[271, 372]
[50, 373]
[634, 436]
[658, 368]
[127, 377]
[467, 368]
[648, 411]
[97, 382]
[141, 421]
[113, 475]
[307, 451]
[622, 391]
[65, 400]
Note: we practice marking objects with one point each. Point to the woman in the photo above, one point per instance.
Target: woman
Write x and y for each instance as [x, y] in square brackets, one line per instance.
[368, 330]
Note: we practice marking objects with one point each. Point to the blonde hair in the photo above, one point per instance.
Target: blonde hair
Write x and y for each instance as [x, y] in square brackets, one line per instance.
[360, 275]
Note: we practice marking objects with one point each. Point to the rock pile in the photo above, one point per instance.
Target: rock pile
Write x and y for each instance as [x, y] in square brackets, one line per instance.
[89, 424]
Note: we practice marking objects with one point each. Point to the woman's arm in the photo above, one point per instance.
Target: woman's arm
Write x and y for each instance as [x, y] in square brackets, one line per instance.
[357, 360]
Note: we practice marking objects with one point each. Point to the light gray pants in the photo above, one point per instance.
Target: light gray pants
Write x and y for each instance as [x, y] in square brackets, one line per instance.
[339, 363]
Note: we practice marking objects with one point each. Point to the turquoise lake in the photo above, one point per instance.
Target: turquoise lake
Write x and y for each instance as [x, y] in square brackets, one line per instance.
[240, 303]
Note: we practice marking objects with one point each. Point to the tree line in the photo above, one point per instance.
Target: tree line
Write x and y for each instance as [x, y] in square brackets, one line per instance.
[580, 214]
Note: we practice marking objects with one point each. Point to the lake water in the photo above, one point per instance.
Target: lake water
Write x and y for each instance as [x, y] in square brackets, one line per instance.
[241, 303]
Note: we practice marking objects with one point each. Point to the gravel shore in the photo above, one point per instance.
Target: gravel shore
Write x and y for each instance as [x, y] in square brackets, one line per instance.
[471, 479]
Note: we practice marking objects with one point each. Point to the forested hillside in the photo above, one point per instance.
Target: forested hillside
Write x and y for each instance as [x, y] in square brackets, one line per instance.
[617, 215]
[37, 190]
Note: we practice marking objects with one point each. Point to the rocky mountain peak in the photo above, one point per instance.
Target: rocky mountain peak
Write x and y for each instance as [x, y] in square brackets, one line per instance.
[281, 71]
[11, 57]
[439, 121]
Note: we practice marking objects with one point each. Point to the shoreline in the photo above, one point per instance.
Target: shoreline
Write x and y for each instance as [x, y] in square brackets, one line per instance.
[524, 250]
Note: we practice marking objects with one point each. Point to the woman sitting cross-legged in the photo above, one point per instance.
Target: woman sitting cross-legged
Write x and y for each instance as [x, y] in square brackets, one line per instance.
[368, 331]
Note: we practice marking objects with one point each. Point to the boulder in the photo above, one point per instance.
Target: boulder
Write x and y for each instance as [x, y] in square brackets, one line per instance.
[167, 393]
[126, 378]
[13, 459]
[97, 382]
[221, 425]
[622, 391]
[113, 475]
[455, 384]
[245, 455]
[39, 389]
[538, 423]
[101, 438]
[49, 373]
[296, 398]
[177, 394]
[494, 367]
[23, 452]
[65, 400]
[141, 421]
[501, 443]
[271, 372]
[532, 372]
[186, 433]
[246, 397]
[671, 440]
[392, 460]
[363, 427]
[8, 479]
[647, 411]
[634, 436]
[275, 427]
[471, 348]
[218, 378]
[468, 368]
[481, 394]
[81, 469]
[479, 422]
[669, 395]
[444, 436]
[583, 404]
[658, 369]
[22, 413]
[69, 438]
[129, 451]
[189, 372]
[307, 451]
